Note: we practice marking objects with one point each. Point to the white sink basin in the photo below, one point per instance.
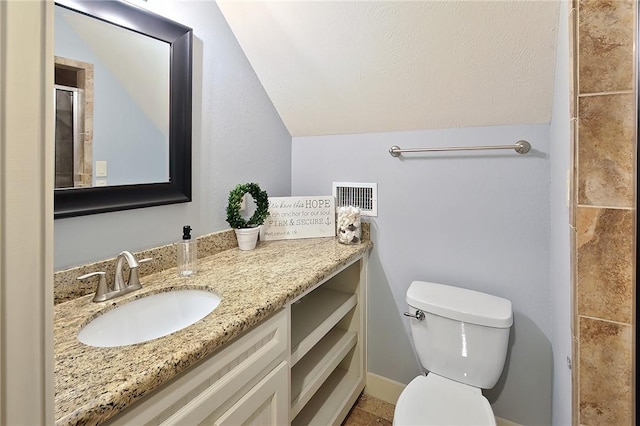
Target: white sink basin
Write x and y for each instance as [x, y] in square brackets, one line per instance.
[148, 318]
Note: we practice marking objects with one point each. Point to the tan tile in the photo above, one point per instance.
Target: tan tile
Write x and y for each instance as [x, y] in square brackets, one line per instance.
[605, 150]
[573, 266]
[358, 417]
[605, 45]
[573, 62]
[605, 263]
[606, 390]
[575, 374]
[376, 407]
[573, 172]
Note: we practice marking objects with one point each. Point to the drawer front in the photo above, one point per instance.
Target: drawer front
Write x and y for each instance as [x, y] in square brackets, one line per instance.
[219, 381]
[265, 404]
[241, 366]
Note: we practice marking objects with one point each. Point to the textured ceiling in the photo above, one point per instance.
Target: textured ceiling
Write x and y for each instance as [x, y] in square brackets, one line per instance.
[335, 67]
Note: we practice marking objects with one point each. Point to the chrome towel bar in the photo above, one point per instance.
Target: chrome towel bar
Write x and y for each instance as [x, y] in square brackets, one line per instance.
[521, 147]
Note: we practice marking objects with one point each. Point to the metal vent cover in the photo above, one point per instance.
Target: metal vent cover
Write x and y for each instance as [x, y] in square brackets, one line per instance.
[362, 195]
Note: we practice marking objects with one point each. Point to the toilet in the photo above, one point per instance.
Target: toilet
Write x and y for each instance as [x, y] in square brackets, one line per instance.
[461, 338]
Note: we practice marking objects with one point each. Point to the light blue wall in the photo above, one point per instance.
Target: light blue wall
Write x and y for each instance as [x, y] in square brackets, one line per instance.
[123, 135]
[478, 220]
[491, 221]
[560, 260]
[237, 137]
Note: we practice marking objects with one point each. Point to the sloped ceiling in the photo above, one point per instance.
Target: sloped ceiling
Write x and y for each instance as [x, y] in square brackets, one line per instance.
[337, 67]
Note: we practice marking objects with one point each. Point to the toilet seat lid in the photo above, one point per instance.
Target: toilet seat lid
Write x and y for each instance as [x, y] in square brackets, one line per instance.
[437, 401]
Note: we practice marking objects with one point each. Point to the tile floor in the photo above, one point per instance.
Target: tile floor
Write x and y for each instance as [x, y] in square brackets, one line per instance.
[370, 411]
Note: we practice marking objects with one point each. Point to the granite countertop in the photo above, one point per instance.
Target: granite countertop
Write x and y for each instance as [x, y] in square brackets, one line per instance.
[93, 384]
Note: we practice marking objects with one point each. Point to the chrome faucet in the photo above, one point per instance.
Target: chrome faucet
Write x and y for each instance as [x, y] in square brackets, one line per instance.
[120, 286]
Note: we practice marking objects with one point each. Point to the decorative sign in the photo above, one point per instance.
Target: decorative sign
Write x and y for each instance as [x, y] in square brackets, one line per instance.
[299, 217]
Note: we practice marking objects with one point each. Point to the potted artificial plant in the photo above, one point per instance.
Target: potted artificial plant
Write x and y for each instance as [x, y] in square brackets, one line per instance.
[247, 230]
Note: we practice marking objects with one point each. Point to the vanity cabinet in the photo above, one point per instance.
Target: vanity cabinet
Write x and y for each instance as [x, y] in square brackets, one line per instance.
[328, 348]
[304, 365]
[244, 382]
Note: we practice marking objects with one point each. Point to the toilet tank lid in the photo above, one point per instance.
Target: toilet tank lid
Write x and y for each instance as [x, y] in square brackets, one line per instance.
[460, 304]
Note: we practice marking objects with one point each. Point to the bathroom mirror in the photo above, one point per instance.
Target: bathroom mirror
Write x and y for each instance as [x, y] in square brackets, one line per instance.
[123, 123]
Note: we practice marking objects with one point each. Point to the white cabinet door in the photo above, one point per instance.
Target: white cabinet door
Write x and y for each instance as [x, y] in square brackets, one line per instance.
[266, 404]
[216, 384]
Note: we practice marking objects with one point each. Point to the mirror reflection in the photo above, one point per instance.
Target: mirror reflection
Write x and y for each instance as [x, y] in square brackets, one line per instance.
[112, 104]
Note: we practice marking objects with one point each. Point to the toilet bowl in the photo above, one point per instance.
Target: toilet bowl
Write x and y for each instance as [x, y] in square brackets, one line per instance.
[437, 401]
[461, 338]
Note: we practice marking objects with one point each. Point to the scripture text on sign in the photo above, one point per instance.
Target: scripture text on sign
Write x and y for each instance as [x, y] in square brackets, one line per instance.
[299, 217]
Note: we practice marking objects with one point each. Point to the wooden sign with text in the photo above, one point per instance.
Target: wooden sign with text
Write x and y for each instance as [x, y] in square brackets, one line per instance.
[299, 217]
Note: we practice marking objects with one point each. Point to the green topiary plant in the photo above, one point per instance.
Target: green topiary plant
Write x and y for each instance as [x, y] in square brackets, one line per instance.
[261, 199]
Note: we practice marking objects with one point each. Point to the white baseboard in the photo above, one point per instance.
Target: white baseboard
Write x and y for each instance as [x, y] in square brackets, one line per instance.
[389, 391]
[382, 388]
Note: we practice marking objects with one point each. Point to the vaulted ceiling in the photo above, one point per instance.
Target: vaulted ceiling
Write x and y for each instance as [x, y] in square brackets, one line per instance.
[338, 67]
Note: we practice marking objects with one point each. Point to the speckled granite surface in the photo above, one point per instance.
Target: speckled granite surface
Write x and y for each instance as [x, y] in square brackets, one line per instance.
[93, 384]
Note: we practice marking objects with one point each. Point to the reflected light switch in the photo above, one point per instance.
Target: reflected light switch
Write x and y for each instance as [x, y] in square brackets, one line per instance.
[101, 168]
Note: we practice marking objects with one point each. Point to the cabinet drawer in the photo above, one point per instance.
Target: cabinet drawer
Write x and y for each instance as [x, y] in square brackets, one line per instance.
[265, 404]
[217, 382]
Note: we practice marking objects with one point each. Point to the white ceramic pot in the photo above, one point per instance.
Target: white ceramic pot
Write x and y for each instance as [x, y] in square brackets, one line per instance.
[247, 237]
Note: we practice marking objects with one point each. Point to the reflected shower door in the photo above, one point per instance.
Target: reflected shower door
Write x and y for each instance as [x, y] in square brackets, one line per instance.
[66, 135]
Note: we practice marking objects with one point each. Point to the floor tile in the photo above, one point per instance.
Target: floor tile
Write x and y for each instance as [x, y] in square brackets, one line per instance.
[370, 411]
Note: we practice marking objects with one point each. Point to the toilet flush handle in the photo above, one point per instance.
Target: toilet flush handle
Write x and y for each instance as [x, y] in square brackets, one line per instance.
[419, 315]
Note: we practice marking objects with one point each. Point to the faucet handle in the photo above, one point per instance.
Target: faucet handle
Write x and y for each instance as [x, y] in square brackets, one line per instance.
[102, 289]
[145, 260]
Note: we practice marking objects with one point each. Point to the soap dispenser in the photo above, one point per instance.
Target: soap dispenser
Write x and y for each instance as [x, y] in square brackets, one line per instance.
[187, 253]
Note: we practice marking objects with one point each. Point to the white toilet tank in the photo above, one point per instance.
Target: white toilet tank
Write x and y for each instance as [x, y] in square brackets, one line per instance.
[464, 335]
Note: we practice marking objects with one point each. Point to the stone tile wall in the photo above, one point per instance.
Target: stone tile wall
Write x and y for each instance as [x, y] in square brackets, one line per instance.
[604, 114]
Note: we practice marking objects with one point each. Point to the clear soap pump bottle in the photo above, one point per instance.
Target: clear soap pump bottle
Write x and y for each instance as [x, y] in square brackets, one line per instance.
[187, 253]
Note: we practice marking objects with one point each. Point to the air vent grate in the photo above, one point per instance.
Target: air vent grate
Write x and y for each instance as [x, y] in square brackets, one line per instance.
[363, 195]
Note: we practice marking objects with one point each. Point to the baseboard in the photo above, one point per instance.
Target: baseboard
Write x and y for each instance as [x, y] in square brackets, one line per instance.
[389, 391]
[504, 422]
[383, 388]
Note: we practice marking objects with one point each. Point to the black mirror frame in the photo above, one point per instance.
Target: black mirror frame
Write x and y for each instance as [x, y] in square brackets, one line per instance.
[84, 201]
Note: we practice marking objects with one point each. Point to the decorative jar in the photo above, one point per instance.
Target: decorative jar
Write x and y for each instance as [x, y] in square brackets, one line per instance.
[348, 224]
